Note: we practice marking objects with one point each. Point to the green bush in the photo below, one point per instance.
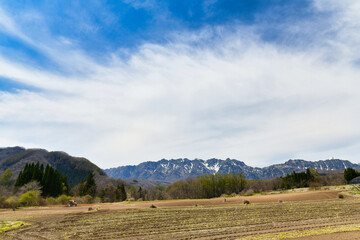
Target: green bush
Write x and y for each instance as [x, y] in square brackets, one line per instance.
[30, 198]
[63, 199]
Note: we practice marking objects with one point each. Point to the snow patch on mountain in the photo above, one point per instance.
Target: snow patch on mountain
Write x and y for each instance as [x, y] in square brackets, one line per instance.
[214, 168]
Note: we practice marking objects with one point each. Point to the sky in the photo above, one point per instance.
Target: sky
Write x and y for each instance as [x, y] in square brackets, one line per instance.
[128, 81]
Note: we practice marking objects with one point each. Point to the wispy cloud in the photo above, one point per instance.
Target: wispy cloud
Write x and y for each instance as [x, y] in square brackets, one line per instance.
[218, 92]
[8, 26]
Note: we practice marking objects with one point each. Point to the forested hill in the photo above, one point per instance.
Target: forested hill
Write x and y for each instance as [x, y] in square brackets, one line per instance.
[178, 169]
[75, 168]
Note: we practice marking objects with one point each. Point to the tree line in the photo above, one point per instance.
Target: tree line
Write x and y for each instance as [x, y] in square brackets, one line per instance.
[52, 182]
[207, 186]
[301, 179]
[49, 183]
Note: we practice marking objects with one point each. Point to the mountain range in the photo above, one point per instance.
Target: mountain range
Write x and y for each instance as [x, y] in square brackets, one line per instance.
[179, 169]
[149, 174]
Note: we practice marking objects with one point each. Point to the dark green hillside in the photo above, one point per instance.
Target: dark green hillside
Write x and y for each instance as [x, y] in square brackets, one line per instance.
[74, 168]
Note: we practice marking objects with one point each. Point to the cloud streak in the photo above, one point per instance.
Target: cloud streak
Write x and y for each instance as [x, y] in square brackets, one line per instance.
[219, 92]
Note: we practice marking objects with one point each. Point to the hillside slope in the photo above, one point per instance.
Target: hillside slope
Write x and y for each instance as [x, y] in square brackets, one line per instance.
[75, 168]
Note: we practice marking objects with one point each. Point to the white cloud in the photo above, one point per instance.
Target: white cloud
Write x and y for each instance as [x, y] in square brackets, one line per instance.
[236, 97]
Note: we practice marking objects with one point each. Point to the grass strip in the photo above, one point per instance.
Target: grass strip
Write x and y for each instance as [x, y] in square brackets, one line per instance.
[10, 225]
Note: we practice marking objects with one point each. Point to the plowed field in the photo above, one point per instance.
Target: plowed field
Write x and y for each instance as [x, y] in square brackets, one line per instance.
[210, 219]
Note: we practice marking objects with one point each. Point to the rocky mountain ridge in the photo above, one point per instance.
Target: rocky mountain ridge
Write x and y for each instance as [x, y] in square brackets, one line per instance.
[178, 169]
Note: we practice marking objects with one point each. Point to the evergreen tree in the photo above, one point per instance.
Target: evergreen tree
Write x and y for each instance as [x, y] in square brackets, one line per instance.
[51, 180]
[37, 173]
[90, 185]
[122, 193]
[301, 179]
[18, 181]
[350, 173]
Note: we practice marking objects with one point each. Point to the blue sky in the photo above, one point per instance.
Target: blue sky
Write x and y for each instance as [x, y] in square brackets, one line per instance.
[122, 82]
[100, 28]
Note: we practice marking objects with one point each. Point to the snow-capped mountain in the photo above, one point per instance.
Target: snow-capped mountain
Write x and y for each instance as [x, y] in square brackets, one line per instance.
[178, 169]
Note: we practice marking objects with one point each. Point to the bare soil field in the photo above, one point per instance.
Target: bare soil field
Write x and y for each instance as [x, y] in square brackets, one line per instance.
[354, 235]
[300, 214]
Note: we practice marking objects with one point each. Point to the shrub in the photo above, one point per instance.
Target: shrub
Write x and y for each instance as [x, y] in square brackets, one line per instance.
[51, 201]
[315, 185]
[29, 198]
[79, 200]
[246, 202]
[249, 192]
[87, 199]
[11, 202]
[42, 202]
[63, 199]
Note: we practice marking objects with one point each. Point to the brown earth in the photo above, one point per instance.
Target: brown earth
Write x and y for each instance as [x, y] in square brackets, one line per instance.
[355, 235]
[179, 219]
[273, 198]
